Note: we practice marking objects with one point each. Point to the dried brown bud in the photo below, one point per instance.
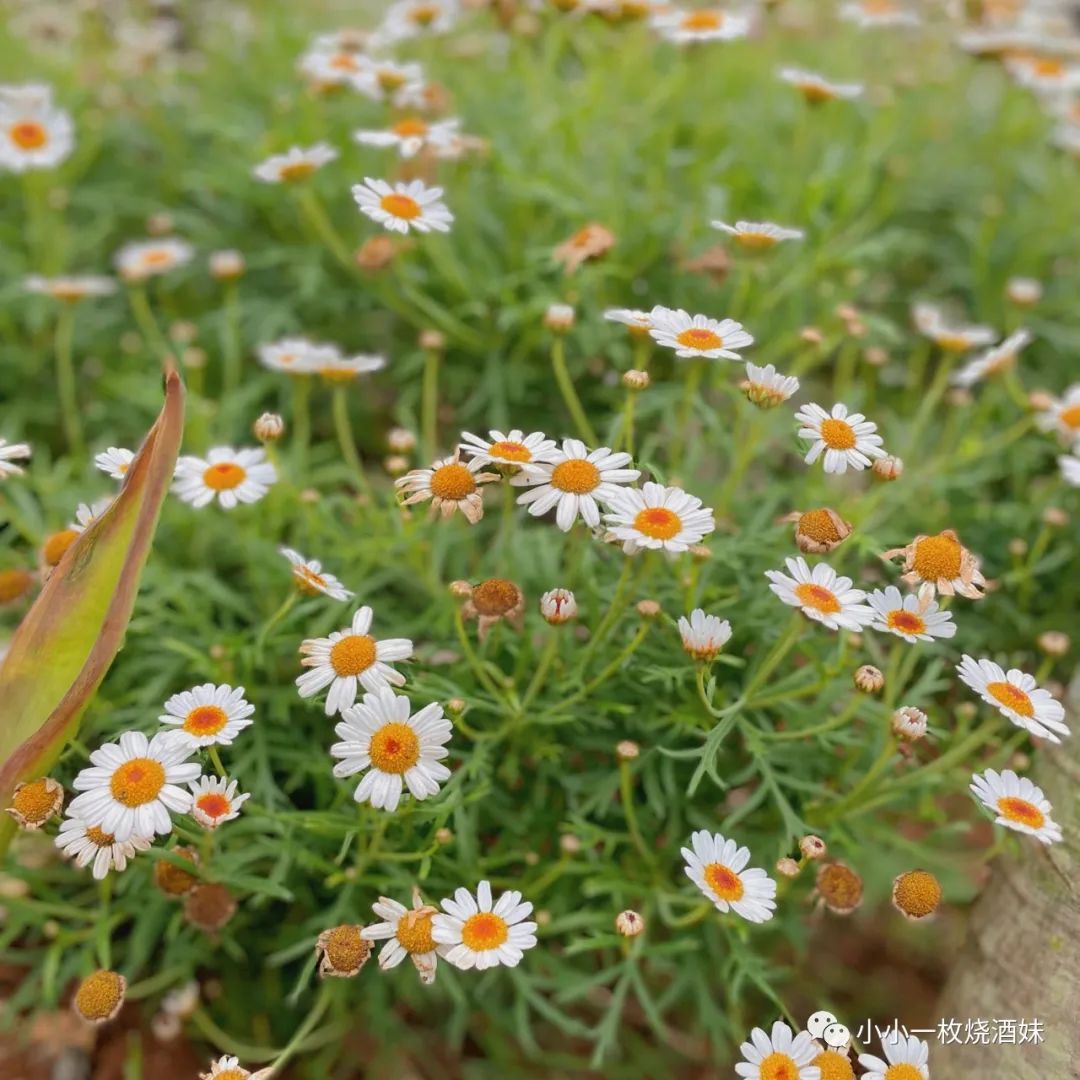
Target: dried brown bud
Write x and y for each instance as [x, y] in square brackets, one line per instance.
[209, 906]
[376, 253]
[839, 887]
[812, 847]
[629, 923]
[869, 679]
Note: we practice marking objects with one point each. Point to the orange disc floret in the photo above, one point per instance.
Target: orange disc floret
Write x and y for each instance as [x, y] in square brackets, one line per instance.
[99, 996]
[343, 951]
[834, 1066]
[352, 655]
[937, 558]
[453, 482]
[175, 880]
[33, 803]
[839, 887]
[414, 931]
[916, 894]
[495, 597]
[14, 585]
[819, 531]
[209, 906]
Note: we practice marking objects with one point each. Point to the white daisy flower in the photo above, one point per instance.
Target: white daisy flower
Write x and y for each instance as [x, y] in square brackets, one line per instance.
[385, 79]
[88, 844]
[900, 1050]
[914, 618]
[575, 481]
[822, 595]
[1024, 291]
[766, 387]
[1018, 803]
[698, 335]
[870, 14]
[481, 934]
[636, 321]
[716, 867]
[133, 785]
[1067, 137]
[1070, 468]
[781, 1054]
[1063, 416]
[328, 67]
[214, 800]
[993, 361]
[1045, 74]
[10, 453]
[846, 440]
[704, 636]
[70, 289]
[815, 88]
[931, 322]
[407, 933]
[512, 449]
[1016, 696]
[450, 484]
[298, 163]
[685, 27]
[86, 515]
[403, 206]
[343, 369]
[208, 715]
[146, 258]
[348, 39]
[115, 461]
[397, 748]
[410, 135]
[312, 579]
[658, 517]
[34, 133]
[758, 234]
[228, 475]
[226, 1068]
[298, 356]
[410, 18]
[348, 659]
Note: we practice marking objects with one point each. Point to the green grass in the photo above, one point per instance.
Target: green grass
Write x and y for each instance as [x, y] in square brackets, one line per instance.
[939, 187]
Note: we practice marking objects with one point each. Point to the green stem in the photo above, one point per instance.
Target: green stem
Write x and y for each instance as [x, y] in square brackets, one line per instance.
[569, 394]
[65, 380]
[346, 440]
[471, 657]
[104, 941]
[626, 794]
[429, 404]
[148, 325]
[215, 758]
[691, 388]
[547, 657]
[608, 671]
[625, 438]
[301, 417]
[615, 609]
[284, 609]
[231, 380]
[313, 210]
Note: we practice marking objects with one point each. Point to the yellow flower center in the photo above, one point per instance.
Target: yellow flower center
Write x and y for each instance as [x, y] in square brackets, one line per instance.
[818, 597]
[224, 476]
[28, 135]
[496, 596]
[452, 482]
[344, 62]
[401, 206]
[232, 1074]
[917, 893]
[1012, 697]
[1021, 811]
[834, 1066]
[658, 522]
[815, 93]
[99, 995]
[57, 544]
[778, 1066]
[14, 584]
[756, 240]
[414, 931]
[157, 257]
[510, 451]
[840, 887]
[703, 20]
[213, 804]
[174, 880]
[389, 79]
[1048, 66]
[907, 622]
[99, 838]
[1070, 417]
[410, 126]
[345, 949]
[576, 475]
[938, 557]
[337, 374]
[296, 170]
[308, 581]
[819, 525]
[903, 1071]
[394, 748]
[36, 801]
[424, 14]
[837, 434]
[205, 720]
[484, 931]
[352, 654]
[724, 882]
[954, 342]
[138, 781]
[698, 337]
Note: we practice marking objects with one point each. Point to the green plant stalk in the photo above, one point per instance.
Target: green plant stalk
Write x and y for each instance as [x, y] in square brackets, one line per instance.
[347, 441]
[313, 210]
[65, 381]
[569, 394]
[148, 325]
[691, 388]
[626, 796]
[301, 419]
[231, 350]
[429, 404]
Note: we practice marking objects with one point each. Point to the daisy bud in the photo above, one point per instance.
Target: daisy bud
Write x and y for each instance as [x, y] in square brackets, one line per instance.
[396, 464]
[456, 706]
[559, 318]
[14, 585]
[648, 609]
[532, 858]
[636, 380]
[310, 496]
[967, 710]
[376, 253]
[839, 887]
[432, 340]
[1018, 547]
[909, 723]
[1024, 291]
[812, 847]
[1054, 643]
[889, 467]
[811, 335]
[820, 531]
[876, 357]
[558, 606]
[460, 590]
[193, 358]
[269, 428]
[916, 894]
[704, 636]
[400, 440]
[627, 750]
[1055, 517]
[787, 867]
[175, 880]
[569, 844]
[629, 923]
[444, 835]
[869, 679]
[342, 952]
[159, 224]
[700, 551]
[209, 906]
[847, 312]
[165, 1027]
[1040, 400]
[33, 803]
[227, 265]
[99, 997]
[543, 917]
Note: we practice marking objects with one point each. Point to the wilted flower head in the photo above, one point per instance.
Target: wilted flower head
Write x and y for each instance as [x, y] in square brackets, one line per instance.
[589, 242]
[342, 951]
[916, 894]
[492, 601]
[99, 997]
[889, 467]
[839, 887]
[33, 803]
[820, 531]
[942, 561]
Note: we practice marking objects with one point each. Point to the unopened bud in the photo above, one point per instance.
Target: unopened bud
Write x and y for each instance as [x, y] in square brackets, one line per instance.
[700, 551]
[432, 340]
[1054, 643]
[269, 427]
[227, 265]
[1024, 291]
[159, 224]
[648, 609]
[869, 679]
[456, 706]
[559, 318]
[889, 467]
[876, 356]
[811, 335]
[460, 590]
[444, 835]
[400, 440]
[558, 606]
[813, 847]
[1018, 547]
[629, 923]
[569, 844]
[787, 867]
[909, 723]
[1055, 517]
[1040, 400]
[396, 464]
[627, 750]
[636, 380]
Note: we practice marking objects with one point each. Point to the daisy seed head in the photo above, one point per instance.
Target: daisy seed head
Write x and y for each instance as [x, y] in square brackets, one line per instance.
[813, 847]
[869, 679]
[839, 887]
[916, 894]
[35, 802]
[818, 532]
[268, 428]
[209, 906]
[629, 923]
[342, 951]
[99, 997]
